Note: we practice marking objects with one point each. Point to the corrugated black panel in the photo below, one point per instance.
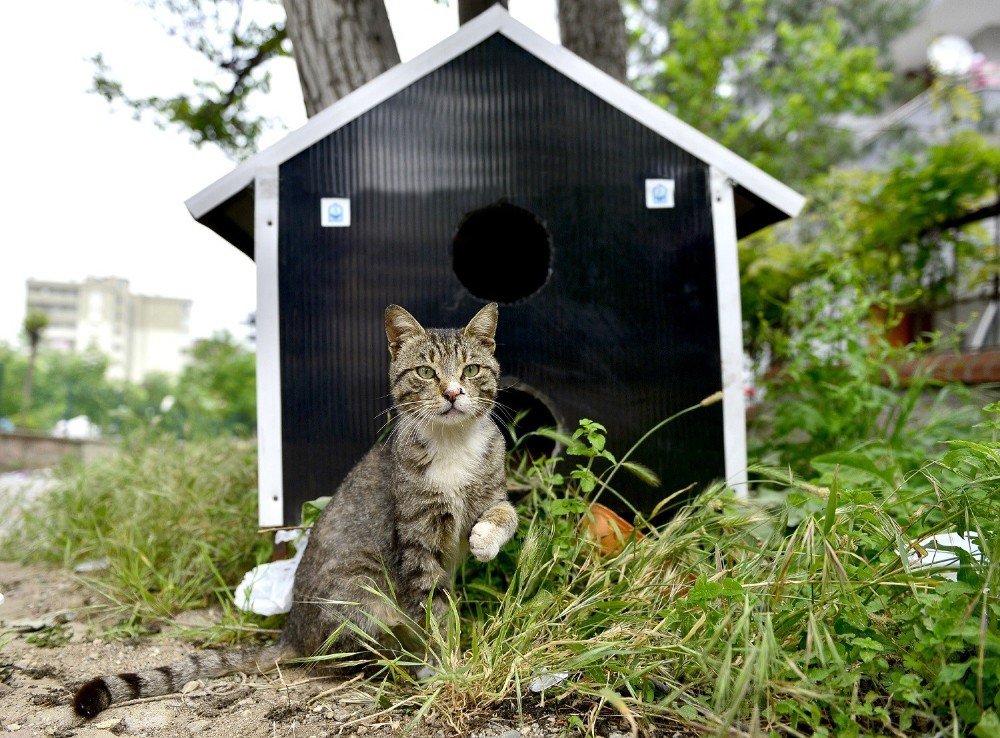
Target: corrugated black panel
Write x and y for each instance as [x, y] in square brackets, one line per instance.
[233, 220]
[754, 213]
[625, 331]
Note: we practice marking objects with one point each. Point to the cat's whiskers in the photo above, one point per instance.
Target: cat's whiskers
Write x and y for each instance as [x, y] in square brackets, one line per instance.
[504, 412]
[406, 430]
[390, 417]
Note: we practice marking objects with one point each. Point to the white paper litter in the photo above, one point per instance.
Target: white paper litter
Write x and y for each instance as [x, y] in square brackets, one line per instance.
[939, 558]
[267, 589]
[91, 565]
[545, 681]
[1, 598]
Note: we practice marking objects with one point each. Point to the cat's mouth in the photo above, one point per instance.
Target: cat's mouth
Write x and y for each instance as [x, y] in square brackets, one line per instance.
[453, 411]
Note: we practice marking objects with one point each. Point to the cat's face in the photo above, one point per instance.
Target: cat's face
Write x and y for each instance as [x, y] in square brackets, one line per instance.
[442, 377]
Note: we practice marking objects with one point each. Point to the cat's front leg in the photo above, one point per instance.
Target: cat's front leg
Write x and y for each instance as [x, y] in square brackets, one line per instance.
[494, 528]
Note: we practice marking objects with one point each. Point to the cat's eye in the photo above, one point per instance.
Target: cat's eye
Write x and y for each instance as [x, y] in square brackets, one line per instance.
[470, 370]
[425, 372]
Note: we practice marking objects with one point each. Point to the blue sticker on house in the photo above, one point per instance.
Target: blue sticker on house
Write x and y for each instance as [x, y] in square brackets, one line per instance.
[659, 193]
[335, 212]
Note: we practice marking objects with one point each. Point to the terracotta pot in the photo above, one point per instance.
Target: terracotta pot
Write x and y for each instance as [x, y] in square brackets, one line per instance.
[609, 529]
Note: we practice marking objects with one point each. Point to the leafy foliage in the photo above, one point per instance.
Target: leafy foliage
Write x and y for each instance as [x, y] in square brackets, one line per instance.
[837, 384]
[218, 111]
[887, 226]
[766, 78]
[214, 395]
[899, 242]
[64, 385]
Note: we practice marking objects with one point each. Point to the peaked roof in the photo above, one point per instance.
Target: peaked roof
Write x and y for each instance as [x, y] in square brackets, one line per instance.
[226, 207]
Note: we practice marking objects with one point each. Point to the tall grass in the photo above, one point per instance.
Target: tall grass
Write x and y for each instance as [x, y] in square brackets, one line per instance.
[803, 617]
[796, 612]
[171, 518]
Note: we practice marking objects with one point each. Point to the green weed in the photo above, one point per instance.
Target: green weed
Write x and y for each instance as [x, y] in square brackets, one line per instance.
[803, 616]
[173, 519]
[795, 612]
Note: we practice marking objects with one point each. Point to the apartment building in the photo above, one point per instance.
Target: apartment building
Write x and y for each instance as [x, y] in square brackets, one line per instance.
[139, 333]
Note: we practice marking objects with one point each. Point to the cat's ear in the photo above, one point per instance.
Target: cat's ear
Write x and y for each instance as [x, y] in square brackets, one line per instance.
[483, 326]
[399, 325]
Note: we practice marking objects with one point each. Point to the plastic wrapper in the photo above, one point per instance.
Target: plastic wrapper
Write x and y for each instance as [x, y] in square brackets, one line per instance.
[945, 562]
[267, 589]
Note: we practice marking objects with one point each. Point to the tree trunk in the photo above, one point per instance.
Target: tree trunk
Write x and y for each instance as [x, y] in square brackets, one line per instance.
[339, 45]
[595, 30]
[469, 9]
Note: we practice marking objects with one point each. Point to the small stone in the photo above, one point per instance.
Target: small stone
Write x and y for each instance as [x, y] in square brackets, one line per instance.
[192, 686]
[512, 734]
[109, 724]
[13, 726]
[198, 726]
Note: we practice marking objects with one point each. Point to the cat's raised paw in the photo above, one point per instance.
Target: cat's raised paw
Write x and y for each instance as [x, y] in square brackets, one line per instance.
[485, 541]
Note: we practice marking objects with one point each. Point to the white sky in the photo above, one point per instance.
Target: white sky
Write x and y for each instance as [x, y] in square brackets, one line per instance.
[89, 191]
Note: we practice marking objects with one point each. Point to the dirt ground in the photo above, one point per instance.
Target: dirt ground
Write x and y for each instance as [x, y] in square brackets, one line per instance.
[36, 683]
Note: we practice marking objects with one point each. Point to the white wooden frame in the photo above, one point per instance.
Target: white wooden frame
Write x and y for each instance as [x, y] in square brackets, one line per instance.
[270, 472]
[727, 280]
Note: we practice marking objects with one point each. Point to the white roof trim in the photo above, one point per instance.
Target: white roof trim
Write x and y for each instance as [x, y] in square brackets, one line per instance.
[497, 20]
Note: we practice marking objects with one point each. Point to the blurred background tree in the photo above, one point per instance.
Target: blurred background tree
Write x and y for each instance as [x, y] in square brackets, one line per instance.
[34, 324]
[769, 79]
[338, 45]
[214, 395]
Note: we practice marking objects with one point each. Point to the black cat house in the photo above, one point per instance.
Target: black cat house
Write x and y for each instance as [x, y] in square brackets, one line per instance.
[498, 167]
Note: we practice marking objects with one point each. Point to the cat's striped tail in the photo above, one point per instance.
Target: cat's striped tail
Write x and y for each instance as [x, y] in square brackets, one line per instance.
[99, 694]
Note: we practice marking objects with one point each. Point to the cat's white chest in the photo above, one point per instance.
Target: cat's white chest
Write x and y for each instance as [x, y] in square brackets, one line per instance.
[456, 455]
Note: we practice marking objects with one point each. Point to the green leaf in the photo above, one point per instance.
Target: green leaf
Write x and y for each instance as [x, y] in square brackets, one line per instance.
[312, 508]
[642, 472]
[988, 726]
[868, 644]
[566, 506]
[952, 673]
[731, 588]
[704, 590]
[856, 461]
[553, 435]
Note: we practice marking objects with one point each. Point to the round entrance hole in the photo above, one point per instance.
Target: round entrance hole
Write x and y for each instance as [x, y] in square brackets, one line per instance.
[502, 253]
[528, 412]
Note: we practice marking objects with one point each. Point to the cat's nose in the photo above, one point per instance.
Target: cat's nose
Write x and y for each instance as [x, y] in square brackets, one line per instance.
[452, 393]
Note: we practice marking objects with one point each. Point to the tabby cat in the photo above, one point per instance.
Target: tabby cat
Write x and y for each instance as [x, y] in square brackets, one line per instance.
[400, 523]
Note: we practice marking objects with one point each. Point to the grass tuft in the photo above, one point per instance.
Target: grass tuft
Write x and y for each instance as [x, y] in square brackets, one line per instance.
[796, 612]
[175, 521]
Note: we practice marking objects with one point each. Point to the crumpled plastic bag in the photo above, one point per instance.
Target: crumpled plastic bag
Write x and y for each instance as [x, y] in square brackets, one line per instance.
[267, 589]
[946, 562]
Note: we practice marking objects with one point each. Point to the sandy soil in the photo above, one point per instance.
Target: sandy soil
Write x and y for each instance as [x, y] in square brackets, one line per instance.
[36, 683]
